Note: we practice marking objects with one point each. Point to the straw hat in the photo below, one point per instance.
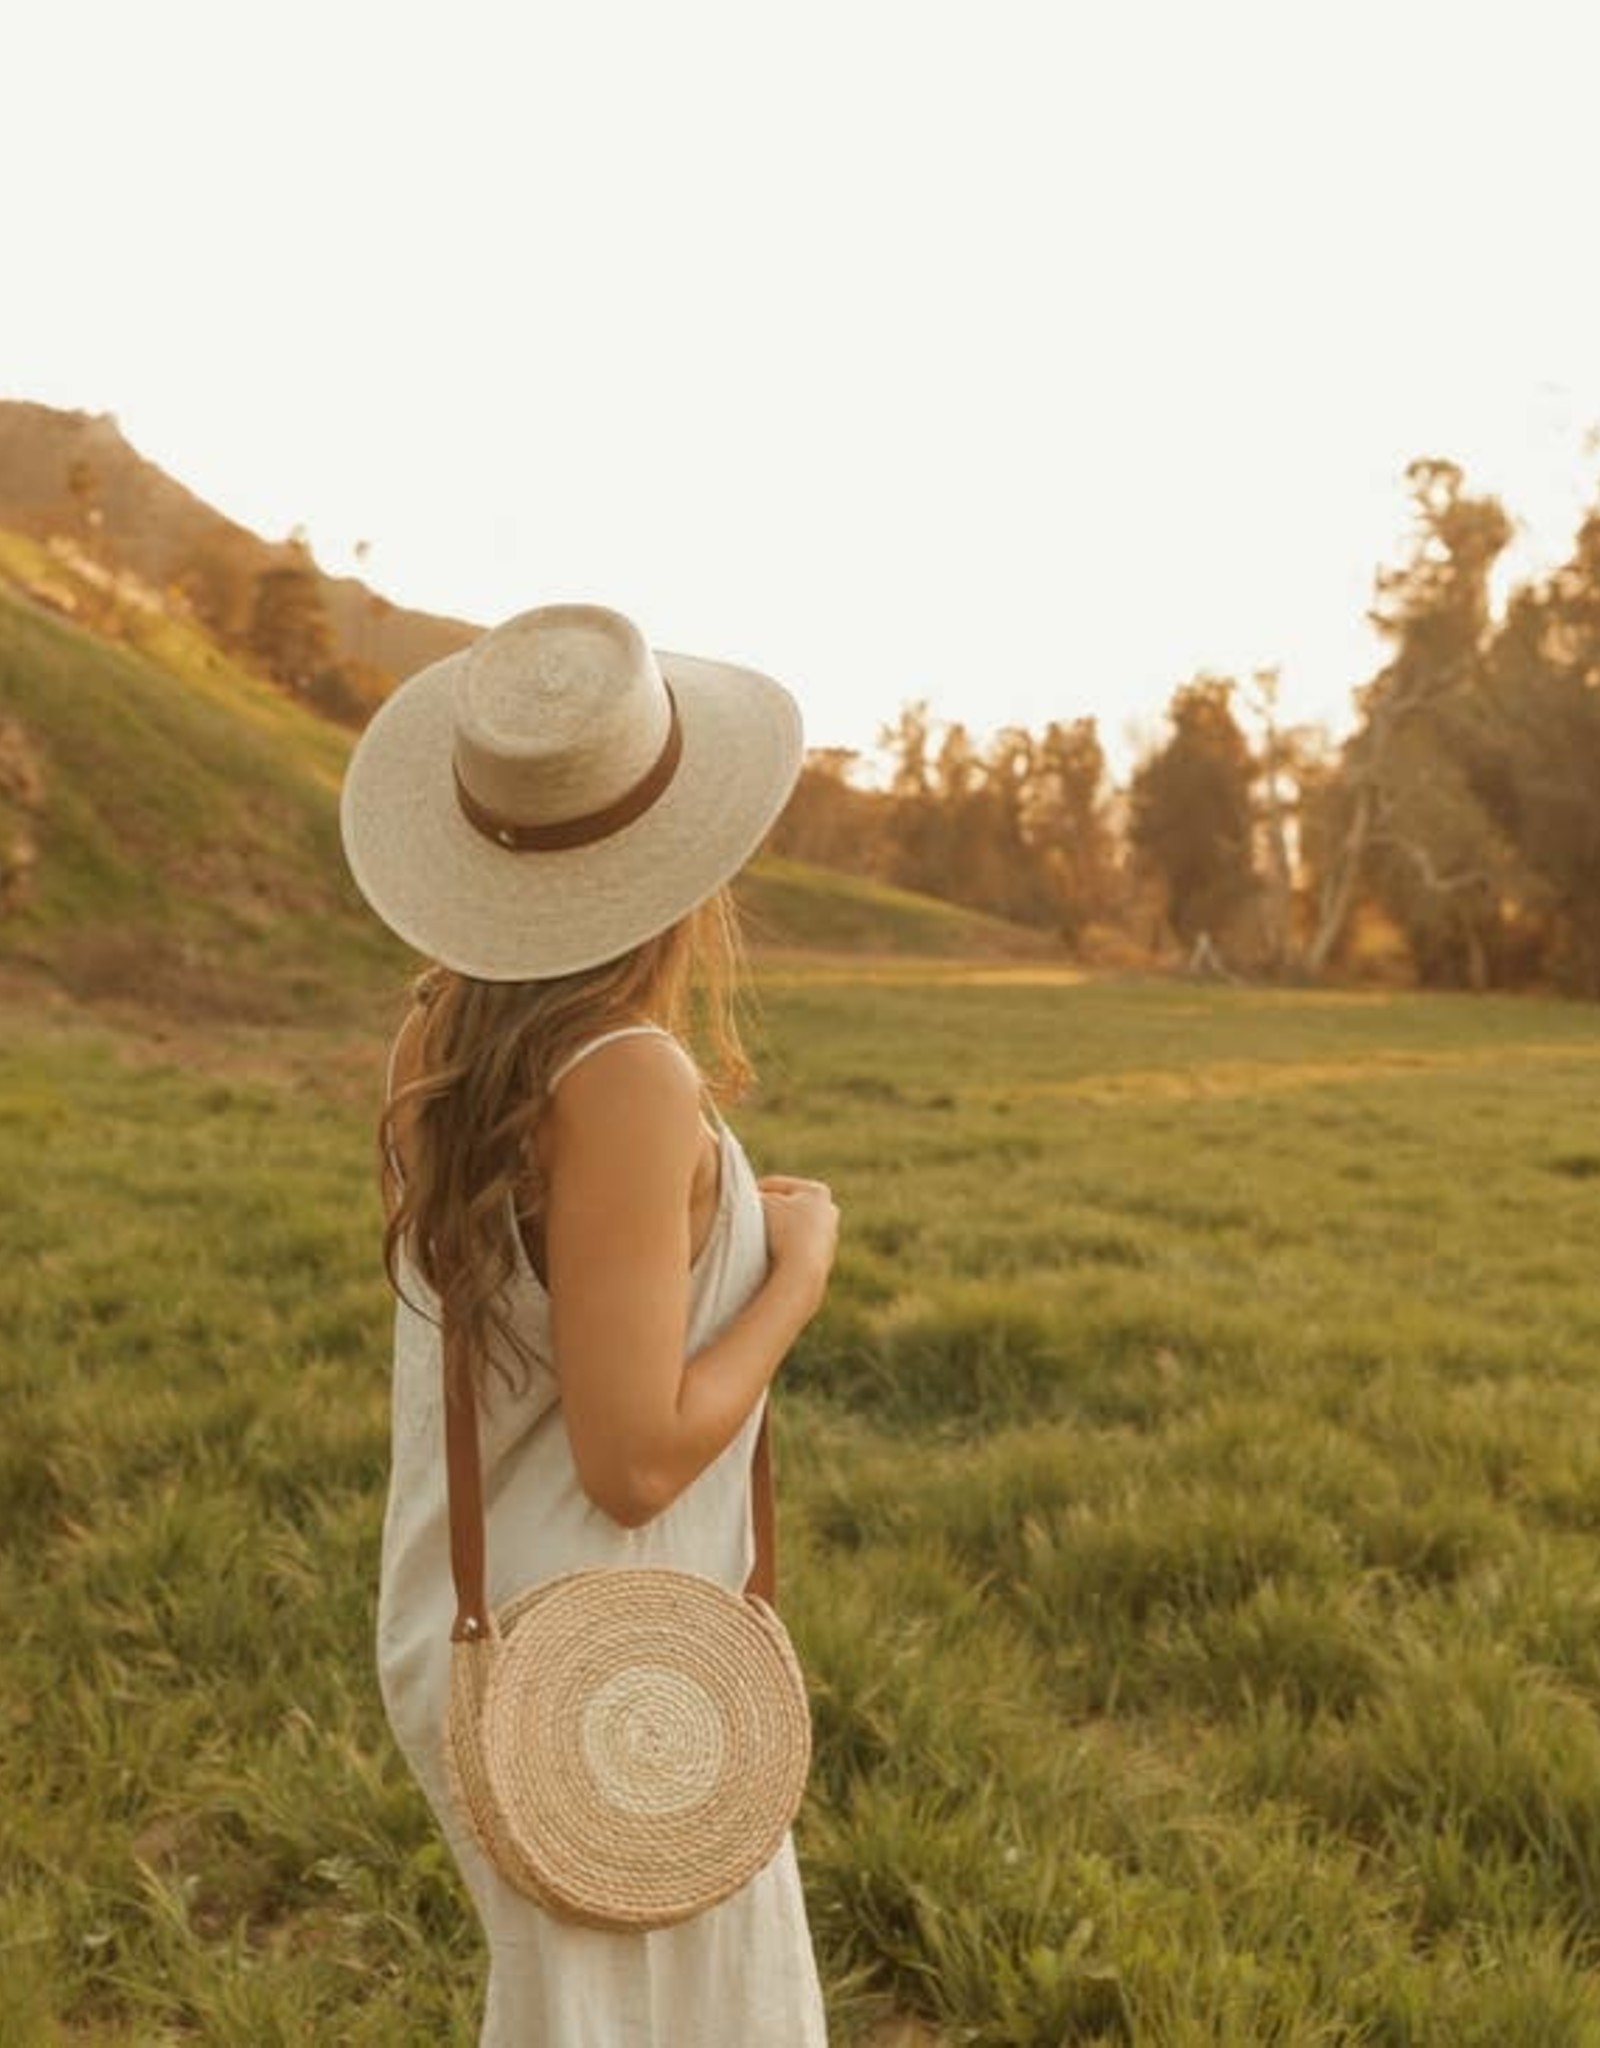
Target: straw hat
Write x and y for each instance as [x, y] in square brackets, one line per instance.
[556, 793]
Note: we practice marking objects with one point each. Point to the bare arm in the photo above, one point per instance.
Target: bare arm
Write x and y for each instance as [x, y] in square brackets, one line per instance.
[622, 1137]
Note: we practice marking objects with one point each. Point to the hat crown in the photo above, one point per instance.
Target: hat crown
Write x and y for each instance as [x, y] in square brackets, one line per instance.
[636, 783]
[558, 713]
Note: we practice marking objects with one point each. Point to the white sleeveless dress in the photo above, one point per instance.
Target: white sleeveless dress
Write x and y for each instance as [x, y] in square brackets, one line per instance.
[742, 1974]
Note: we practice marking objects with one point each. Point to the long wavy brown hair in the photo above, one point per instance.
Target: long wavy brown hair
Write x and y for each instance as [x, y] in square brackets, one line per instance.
[464, 1123]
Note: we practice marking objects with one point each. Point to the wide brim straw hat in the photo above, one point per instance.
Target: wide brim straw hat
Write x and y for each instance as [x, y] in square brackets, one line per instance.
[557, 792]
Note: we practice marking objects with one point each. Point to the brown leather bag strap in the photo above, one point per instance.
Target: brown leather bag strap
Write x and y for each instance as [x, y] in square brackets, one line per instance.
[464, 1485]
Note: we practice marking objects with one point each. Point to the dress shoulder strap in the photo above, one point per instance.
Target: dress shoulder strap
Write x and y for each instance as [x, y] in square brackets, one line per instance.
[606, 1038]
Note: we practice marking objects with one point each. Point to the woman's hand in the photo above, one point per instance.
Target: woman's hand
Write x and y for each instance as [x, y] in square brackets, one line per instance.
[802, 1232]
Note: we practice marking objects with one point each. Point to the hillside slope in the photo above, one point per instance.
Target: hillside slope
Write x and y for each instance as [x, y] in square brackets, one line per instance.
[789, 904]
[169, 832]
[168, 829]
[153, 525]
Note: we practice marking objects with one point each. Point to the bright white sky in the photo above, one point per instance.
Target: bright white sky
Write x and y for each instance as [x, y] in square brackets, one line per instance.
[1024, 356]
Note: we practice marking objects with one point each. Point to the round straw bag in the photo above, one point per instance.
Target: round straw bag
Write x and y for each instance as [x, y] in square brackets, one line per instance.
[629, 1745]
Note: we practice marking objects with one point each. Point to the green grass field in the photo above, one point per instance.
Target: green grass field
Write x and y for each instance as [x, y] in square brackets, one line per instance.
[1190, 1502]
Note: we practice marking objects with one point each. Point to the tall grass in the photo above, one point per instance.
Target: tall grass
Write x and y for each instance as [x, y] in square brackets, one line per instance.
[1190, 1501]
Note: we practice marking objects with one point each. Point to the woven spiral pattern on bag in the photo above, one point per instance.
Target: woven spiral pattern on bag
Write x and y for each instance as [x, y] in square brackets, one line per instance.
[471, 1666]
[634, 1746]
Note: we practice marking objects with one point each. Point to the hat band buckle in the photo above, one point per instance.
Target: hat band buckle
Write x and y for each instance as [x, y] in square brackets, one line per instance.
[592, 826]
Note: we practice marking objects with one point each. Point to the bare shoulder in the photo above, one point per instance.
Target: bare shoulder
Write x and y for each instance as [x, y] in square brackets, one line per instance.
[642, 1090]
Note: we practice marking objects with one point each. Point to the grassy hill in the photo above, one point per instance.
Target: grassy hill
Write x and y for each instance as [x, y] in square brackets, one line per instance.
[790, 903]
[171, 827]
[168, 831]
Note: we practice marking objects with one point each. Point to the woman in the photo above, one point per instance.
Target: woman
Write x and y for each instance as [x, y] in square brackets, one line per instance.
[553, 815]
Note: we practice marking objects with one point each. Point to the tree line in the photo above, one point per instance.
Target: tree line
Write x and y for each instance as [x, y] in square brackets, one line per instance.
[277, 619]
[1459, 822]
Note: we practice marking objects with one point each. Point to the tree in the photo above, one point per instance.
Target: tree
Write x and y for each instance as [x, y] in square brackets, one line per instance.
[289, 628]
[1019, 826]
[1008, 872]
[349, 689]
[219, 584]
[1399, 817]
[918, 834]
[1534, 756]
[1273, 759]
[1293, 767]
[829, 820]
[1191, 811]
[1068, 821]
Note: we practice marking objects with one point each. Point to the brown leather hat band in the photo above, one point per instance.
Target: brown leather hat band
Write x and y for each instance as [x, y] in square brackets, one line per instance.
[593, 825]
